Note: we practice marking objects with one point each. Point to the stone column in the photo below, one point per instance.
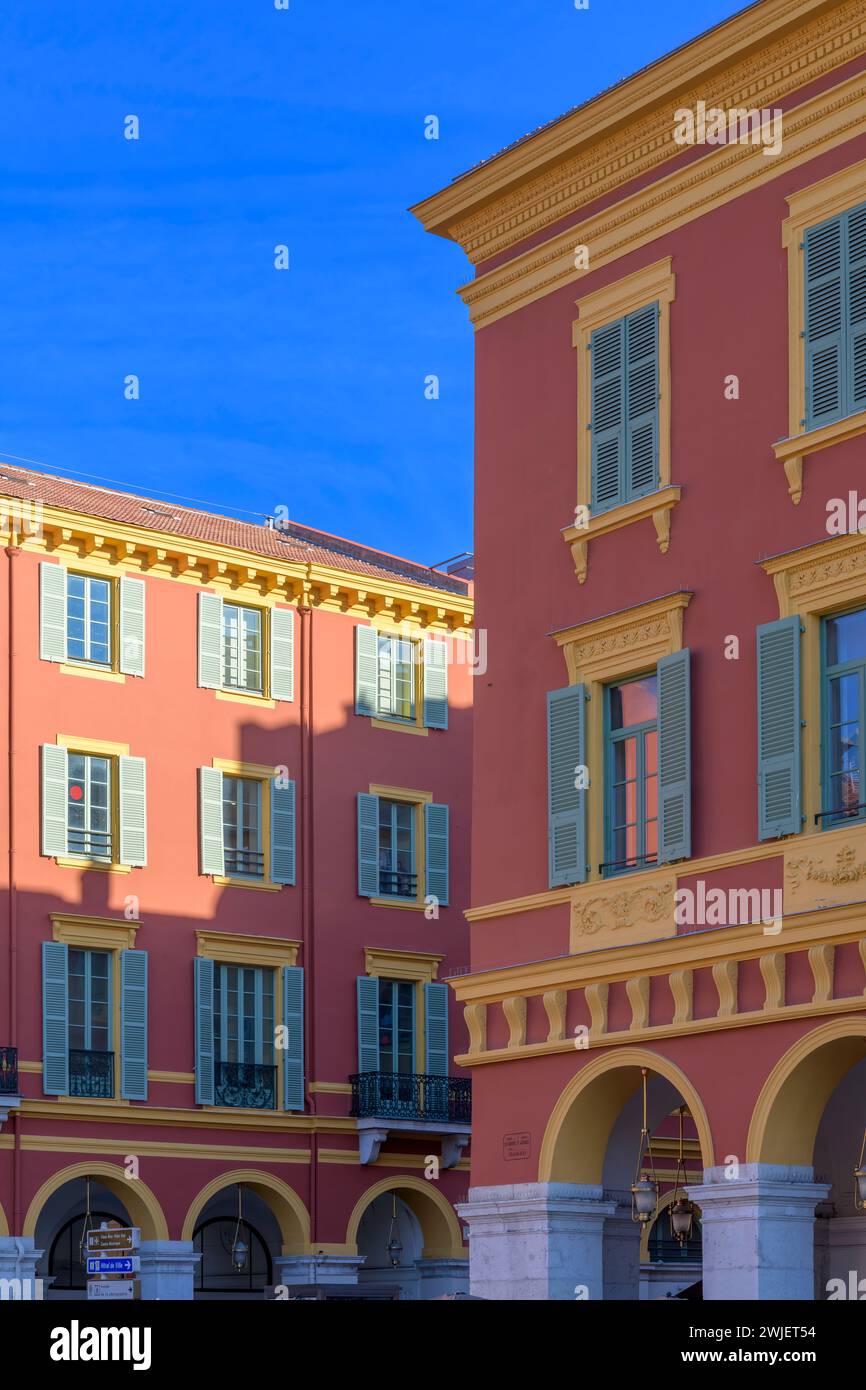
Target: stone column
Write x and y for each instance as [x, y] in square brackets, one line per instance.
[168, 1269]
[317, 1269]
[758, 1232]
[440, 1277]
[538, 1240]
[18, 1261]
[621, 1250]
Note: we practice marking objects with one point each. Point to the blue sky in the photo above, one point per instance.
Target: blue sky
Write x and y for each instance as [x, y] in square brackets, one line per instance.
[261, 388]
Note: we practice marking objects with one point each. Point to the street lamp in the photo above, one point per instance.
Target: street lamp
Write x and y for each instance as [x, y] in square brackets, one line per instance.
[681, 1210]
[240, 1250]
[644, 1192]
[395, 1245]
[860, 1178]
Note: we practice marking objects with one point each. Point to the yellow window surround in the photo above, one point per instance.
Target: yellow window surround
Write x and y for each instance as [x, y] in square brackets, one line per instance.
[385, 628]
[614, 648]
[251, 697]
[99, 934]
[419, 800]
[809, 207]
[255, 772]
[95, 568]
[420, 967]
[654, 282]
[100, 748]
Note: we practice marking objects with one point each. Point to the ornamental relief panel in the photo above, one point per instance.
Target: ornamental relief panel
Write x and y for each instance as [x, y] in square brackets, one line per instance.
[614, 914]
[828, 874]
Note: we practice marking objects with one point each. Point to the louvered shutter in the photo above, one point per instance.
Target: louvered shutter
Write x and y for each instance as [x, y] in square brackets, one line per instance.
[210, 641]
[55, 793]
[435, 683]
[133, 1025]
[366, 670]
[674, 757]
[204, 1031]
[856, 249]
[824, 299]
[55, 1019]
[368, 845]
[642, 395]
[566, 803]
[608, 415]
[132, 600]
[132, 797]
[436, 852]
[282, 833]
[436, 1028]
[368, 1023]
[779, 728]
[210, 821]
[293, 1055]
[282, 627]
[52, 612]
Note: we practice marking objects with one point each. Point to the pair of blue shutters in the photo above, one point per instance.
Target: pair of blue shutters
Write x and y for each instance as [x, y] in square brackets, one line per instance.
[52, 618]
[566, 752]
[625, 406]
[212, 835]
[435, 849]
[293, 1020]
[434, 656]
[55, 1021]
[281, 653]
[836, 318]
[435, 1029]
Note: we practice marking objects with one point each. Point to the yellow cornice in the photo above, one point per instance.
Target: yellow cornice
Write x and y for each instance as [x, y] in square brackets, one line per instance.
[821, 577]
[753, 59]
[97, 933]
[99, 746]
[401, 965]
[622, 643]
[238, 949]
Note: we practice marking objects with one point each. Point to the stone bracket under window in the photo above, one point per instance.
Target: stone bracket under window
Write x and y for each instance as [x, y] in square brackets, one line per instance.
[372, 1134]
[791, 453]
[657, 505]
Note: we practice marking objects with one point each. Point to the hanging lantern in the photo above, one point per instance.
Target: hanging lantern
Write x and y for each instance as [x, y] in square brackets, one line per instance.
[682, 1211]
[395, 1245]
[240, 1250]
[860, 1178]
[644, 1191]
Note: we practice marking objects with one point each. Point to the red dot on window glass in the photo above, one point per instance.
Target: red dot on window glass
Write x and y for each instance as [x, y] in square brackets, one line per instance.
[76, 793]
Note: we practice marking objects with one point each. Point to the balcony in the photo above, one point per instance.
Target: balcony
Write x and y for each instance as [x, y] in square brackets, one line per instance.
[385, 1102]
[91, 1074]
[245, 1085]
[396, 884]
[10, 1098]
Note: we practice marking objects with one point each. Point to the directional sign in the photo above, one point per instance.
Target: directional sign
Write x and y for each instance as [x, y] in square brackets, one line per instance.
[119, 1288]
[113, 1264]
[114, 1240]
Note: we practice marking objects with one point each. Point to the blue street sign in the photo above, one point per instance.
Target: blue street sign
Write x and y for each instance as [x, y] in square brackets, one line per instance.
[115, 1264]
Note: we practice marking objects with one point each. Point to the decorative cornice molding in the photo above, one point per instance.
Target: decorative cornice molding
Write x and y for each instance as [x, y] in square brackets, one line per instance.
[819, 577]
[608, 647]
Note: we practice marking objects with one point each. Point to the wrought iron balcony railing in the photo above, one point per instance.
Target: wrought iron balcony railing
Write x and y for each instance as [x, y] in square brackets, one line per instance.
[91, 1074]
[387, 1095]
[396, 884]
[245, 1084]
[8, 1071]
[250, 862]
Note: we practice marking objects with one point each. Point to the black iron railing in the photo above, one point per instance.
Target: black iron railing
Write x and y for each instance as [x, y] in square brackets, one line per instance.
[90, 844]
[245, 861]
[8, 1071]
[245, 1084]
[397, 885]
[387, 1095]
[91, 1074]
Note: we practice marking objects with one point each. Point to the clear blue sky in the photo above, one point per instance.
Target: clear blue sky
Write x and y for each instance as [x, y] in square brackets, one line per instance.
[258, 127]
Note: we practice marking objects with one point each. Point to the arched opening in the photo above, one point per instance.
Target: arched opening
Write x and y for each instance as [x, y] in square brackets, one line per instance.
[256, 1209]
[236, 1257]
[411, 1242]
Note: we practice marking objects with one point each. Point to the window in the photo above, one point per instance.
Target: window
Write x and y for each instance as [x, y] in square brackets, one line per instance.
[402, 680]
[397, 1026]
[246, 1073]
[242, 827]
[91, 1059]
[835, 313]
[397, 876]
[625, 394]
[844, 661]
[397, 665]
[632, 775]
[89, 807]
[242, 648]
[88, 619]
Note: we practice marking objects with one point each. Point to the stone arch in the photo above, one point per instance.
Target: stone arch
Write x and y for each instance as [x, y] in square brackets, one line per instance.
[437, 1218]
[287, 1207]
[138, 1199]
[577, 1134]
[4, 1224]
[788, 1111]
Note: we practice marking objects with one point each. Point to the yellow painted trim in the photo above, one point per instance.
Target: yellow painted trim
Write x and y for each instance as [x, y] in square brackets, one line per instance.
[174, 1078]
[419, 800]
[588, 1119]
[233, 948]
[140, 1202]
[255, 884]
[185, 1117]
[4, 1224]
[792, 452]
[400, 794]
[410, 904]
[99, 746]
[69, 668]
[788, 1110]
[94, 933]
[400, 728]
[145, 1148]
[401, 965]
[260, 701]
[69, 861]
[441, 1228]
[98, 567]
[32, 1067]
[351, 1158]
[656, 505]
[336, 1088]
[259, 772]
[287, 1207]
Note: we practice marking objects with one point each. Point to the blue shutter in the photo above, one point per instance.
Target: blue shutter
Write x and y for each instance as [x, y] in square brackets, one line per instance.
[133, 1025]
[642, 401]
[52, 612]
[210, 641]
[779, 728]
[282, 832]
[132, 798]
[855, 229]
[366, 670]
[204, 1031]
[674, 757]
[293, 1056]
[436, 1029]
[55, 1019]
[566, 804]
[132, 626]
[436, 853]
[435, 684]
[608, 415]
[368, 845]
[368, 1023]
[282, 653]
[210, 821]
[55, 798]
[824, 320]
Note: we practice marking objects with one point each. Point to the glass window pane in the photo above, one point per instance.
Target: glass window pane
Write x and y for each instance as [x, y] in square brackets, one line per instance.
[633, 703]
[846, 638]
